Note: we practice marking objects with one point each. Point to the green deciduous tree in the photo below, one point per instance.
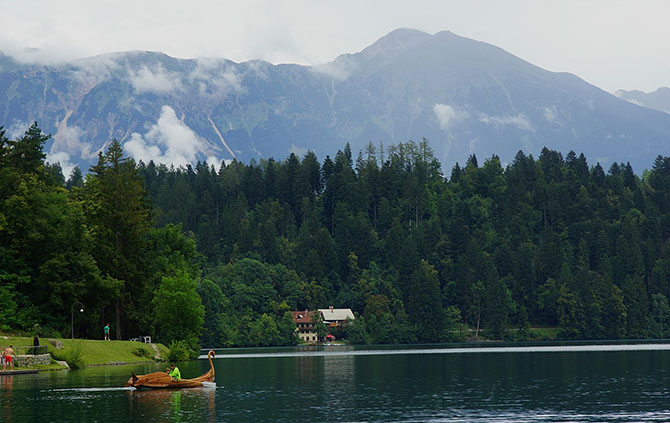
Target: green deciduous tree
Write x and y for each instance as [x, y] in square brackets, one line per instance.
[178, 310]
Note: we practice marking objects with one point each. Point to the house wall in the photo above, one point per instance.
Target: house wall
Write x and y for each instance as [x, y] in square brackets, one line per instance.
[306, 332]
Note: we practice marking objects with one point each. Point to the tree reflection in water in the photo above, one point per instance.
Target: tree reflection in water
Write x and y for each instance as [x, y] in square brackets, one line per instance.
[173, 404]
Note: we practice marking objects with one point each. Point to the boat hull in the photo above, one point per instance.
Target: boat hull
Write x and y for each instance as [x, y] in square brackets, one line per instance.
[161, 380]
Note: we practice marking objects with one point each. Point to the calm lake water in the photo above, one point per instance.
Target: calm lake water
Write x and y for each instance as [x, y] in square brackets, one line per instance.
[616, 383]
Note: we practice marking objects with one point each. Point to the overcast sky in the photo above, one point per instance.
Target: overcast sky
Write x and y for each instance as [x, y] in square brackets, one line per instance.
[611, 43]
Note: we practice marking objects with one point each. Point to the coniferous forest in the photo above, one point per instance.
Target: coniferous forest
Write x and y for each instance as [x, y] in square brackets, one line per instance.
[218, 255]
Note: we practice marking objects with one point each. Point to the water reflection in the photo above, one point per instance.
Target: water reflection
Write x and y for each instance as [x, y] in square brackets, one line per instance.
[6, 383]
[174, 405]
[568, 385]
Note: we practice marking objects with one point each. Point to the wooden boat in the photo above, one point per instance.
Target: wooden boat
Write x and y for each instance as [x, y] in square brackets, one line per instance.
[161, 380]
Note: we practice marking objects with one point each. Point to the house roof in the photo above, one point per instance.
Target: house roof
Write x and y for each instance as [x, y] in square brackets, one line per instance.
[303, 316]
[336, 314]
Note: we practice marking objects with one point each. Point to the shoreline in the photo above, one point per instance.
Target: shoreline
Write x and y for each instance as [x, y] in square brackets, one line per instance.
[69, 353]
[484, 344]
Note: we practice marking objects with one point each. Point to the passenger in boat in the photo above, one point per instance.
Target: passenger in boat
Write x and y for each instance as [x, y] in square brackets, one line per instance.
[174, 373]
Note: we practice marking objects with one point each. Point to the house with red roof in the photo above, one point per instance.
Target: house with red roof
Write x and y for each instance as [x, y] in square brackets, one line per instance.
[305, 325]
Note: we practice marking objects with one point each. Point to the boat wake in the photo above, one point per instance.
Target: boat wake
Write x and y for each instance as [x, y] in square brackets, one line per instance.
[116, 388]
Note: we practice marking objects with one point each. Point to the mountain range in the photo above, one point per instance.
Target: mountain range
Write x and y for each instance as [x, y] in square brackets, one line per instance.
[464, 96]
[659, 99]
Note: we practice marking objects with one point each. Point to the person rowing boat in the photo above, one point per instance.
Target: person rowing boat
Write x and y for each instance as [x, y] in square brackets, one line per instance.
[174, 372]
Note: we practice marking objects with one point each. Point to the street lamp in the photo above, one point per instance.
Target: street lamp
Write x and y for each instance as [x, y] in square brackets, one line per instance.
[81, 310]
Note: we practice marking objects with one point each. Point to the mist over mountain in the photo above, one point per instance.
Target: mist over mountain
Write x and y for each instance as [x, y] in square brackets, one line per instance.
[659, 99]
[463, 95]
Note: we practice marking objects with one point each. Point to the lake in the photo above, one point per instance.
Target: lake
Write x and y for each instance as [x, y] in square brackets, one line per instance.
[605, 383]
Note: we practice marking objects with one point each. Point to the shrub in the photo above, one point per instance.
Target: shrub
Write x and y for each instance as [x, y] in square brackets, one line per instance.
[73, 356]
[178, 351]
[142, 352]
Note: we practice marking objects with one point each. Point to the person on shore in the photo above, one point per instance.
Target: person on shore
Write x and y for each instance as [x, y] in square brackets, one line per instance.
[106, 330]
[174, 372]
[7, 354]
[36, 344]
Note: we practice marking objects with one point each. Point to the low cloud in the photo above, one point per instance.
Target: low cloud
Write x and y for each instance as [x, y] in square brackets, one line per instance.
[168, 141]
[259, 68]
[17, 129]
[69, 139]
[519, 121]
[95, 69]
[214, 78]
[63, 159]
[550, 113]
[156, 80]
[298, 151]
[448, 116]
[339, 69]
[590, 106]
[213, 161]
[634, 101]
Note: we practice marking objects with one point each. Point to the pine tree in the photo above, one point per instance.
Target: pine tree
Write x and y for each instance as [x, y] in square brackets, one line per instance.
[120, 217]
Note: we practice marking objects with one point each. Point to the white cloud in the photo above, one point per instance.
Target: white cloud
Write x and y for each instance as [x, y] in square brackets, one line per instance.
[590, 105]
[339, 69]
[156, 80]
[550, 113]
[448, 116]
[259, 68]
[17, 129]
[298, 151]
[68, 139]
[520, 121]
[213, 161]
[214, 78]
[95, 69]
[63, 159]
[168, 141]
[634, 101]
[472, 145]
[312, 31]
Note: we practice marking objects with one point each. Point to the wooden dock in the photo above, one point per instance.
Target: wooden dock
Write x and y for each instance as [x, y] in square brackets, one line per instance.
[18, 372]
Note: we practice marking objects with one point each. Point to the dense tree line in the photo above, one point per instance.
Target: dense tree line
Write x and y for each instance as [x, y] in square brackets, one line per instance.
[550, 241]
[94, 243]
[417, 255]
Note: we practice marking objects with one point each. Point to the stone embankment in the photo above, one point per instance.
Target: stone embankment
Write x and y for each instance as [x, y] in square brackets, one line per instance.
[32, 360]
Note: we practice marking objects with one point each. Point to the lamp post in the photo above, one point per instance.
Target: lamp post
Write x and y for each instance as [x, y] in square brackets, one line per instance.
[81, 310]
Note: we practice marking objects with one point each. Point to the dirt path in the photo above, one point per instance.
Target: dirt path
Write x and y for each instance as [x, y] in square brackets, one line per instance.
[158, 353]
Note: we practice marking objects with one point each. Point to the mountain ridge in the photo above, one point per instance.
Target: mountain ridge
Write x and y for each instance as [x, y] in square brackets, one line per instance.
[465, 96]
[657, 100]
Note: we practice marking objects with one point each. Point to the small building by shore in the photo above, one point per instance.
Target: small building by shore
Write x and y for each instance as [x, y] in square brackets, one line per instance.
[335, 317]
[305, 325]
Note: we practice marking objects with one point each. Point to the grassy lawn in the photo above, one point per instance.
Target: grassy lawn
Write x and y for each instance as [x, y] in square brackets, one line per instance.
[94, 352]
[548, 333]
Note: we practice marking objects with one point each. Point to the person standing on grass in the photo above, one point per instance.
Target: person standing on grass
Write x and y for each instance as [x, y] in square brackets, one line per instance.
[36, 344]
[7, 354]
[106, 329]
